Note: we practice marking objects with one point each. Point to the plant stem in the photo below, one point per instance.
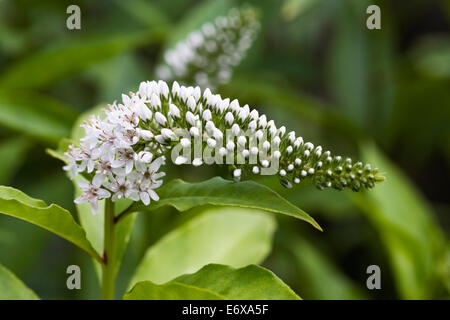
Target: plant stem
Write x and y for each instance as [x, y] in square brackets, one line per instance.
[108, 267]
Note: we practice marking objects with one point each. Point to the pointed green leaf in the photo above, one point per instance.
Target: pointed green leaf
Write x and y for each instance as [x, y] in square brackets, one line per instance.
[12, 288]
[53, 218]
[248, 283]
[232, 236]
[220, 192]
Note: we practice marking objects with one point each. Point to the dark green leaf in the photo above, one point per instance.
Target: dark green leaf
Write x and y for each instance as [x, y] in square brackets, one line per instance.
[217, 191]
[53, 218]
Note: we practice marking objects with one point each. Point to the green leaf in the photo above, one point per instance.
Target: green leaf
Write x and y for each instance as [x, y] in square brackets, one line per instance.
[147, 290]
[48, 66]
[235, 237]
[220, 192]
[248, 283]
[12, 288]
[53, 218]
[262, 89]
[12, 155]
[35, 115]
[407, 228]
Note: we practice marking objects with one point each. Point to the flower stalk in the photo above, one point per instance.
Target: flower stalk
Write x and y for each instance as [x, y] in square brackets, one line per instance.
[108, 267]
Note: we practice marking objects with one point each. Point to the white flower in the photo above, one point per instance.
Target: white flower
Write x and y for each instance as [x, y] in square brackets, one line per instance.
[122, 188]
[125, 158]
[147, 135]
[185, 142]
[155, 101]
[91, 193]
[223, 151]
[190, 118]
[242, 141]
[237, 174]
[194, 132]
[207, 115]
[209, 54]
[197, 162]
[235, 129]
[230, 145]
[191, 103]
[146, 192]
[168, 134]
[229, 118]
[160, 118]
[181, 160]
[211, 143]
[174, 111]
[145, 156]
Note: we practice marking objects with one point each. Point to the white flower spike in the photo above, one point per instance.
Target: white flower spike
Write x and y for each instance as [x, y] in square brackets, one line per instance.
[122, 153]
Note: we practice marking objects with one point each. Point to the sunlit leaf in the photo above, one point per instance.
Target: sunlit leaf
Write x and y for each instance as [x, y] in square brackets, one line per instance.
[248, 283]
[231, 236]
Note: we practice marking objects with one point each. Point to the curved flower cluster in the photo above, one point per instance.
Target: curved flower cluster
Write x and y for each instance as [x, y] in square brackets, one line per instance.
[123, 151]
[208, 55]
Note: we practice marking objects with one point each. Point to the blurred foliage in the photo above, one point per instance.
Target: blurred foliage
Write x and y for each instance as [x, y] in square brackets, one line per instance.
[314, 66]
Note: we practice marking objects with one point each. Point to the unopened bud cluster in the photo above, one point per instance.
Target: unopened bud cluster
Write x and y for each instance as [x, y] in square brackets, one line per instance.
[123, 151]
[208, 55]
